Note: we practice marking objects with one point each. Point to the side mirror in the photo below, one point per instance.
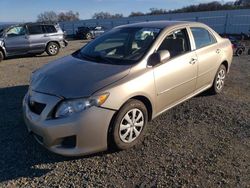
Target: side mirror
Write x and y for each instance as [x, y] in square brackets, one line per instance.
[159, 57]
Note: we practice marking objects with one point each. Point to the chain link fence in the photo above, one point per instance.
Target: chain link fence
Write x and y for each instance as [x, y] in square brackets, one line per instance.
[228, 21]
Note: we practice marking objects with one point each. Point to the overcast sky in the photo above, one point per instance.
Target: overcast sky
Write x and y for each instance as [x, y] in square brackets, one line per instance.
[27, 10]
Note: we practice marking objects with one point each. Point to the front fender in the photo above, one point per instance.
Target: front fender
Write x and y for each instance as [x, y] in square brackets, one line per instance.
[129, 87]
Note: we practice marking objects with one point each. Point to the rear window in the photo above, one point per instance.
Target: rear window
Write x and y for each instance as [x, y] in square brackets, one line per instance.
[35, 29]
[202, 37]
[49, 28]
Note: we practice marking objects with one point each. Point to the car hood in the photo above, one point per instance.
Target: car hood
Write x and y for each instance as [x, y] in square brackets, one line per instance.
[71, 77]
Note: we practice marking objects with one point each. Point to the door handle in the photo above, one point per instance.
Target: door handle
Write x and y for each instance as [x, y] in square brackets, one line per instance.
[45, 35]
[193, 61]
[218, 51]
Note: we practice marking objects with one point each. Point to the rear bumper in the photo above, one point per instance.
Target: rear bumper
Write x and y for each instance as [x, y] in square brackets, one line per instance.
[89, 129]
[64, 43]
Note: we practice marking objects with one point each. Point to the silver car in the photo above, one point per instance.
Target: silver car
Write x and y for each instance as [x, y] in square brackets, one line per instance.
[104, 94]
[31, 38]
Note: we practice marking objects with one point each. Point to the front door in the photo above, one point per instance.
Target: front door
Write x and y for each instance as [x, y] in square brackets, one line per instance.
[175, 79]
[16, 41]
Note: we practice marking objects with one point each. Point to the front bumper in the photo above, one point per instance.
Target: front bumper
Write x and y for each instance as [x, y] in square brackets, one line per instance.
[89, 128]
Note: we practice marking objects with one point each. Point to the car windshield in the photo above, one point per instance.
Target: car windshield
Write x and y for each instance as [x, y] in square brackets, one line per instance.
[120, 46]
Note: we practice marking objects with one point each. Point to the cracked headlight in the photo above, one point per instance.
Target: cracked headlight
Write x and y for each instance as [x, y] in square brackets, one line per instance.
[69, 107]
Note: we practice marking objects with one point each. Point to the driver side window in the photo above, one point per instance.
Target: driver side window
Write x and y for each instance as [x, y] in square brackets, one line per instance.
[16, 31]
[177, 43]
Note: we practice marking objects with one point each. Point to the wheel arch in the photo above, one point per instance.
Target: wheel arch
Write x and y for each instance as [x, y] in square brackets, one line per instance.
[58, 43]
[147, 104]
[3, 51]
[225, 63]
[145, 100]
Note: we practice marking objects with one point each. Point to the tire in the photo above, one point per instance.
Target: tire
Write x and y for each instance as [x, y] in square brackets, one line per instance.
[52, 49]
[88, 36]
[239, 52]
[219, 80]
[1, 56]
[125, 133]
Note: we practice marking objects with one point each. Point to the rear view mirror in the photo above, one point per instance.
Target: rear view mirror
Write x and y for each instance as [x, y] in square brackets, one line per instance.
[159, 57]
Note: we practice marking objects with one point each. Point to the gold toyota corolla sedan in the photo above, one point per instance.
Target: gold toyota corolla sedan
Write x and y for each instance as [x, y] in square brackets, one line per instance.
[104, 94]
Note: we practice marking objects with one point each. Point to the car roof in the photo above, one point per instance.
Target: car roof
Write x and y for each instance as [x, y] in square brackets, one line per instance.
[39, 23]
[158, 24]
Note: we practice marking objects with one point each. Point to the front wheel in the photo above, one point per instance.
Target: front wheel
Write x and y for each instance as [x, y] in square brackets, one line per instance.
[52, 49]
[129, 126]
[1, 56]
[219, 80]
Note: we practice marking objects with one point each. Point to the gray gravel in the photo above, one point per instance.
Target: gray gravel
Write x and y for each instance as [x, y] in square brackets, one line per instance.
[204, 142]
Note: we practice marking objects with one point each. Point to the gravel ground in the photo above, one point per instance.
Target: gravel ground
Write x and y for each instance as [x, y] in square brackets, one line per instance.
[204, 142]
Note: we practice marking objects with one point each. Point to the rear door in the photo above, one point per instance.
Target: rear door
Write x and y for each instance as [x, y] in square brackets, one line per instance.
[209, 56]
[37, 38]
[175, 79]
[16, 41]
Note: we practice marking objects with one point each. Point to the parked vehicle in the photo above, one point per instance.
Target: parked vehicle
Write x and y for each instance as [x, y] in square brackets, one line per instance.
[89, 32]
[31, 38]
[238, 47]
[104, 94]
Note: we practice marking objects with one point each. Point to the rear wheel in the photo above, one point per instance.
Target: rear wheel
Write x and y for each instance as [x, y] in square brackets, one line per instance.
[239, 52]
[248, 52]
[88, 36]
[52, 49]
[129, 126]
[1, 56]
[219, 80]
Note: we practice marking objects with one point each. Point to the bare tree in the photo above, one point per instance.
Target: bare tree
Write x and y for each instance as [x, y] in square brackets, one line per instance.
[214, 5]
[135, 14]
[211, 6]
[51, 16]
[117, 15]
[48, 16]
[244, 2]
[68, 16]
[155, 11]
[106, 15]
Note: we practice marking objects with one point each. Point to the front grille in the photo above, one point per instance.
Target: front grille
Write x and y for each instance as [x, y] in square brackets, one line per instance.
[36, 107]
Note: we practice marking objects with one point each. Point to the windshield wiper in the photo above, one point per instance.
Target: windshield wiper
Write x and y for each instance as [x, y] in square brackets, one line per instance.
[95, 58]
[102, 58]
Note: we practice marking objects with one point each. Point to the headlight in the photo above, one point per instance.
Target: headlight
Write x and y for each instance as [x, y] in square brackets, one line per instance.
[69, 107]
